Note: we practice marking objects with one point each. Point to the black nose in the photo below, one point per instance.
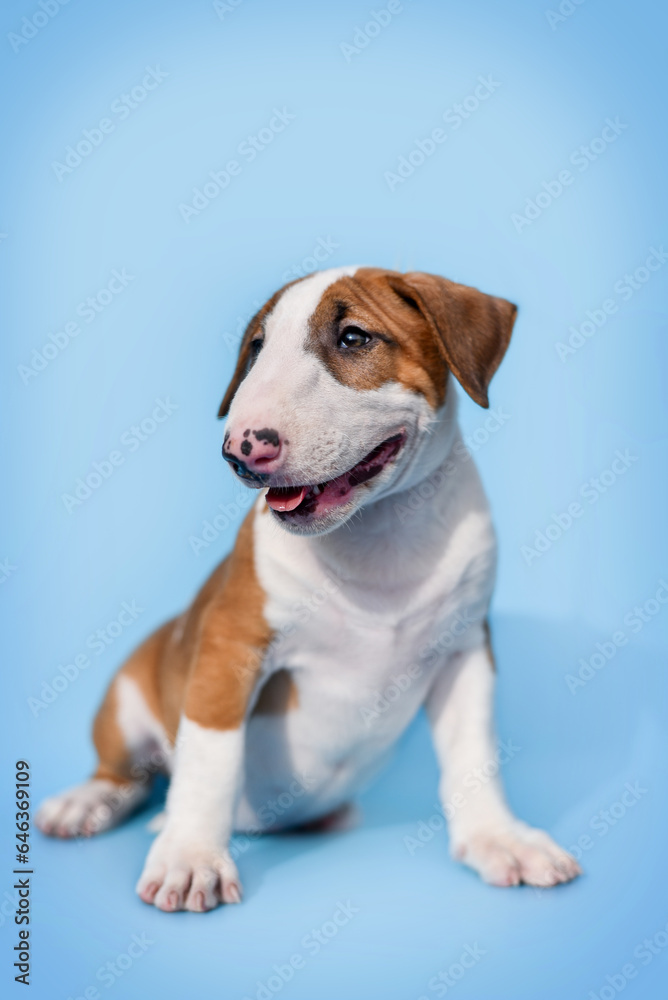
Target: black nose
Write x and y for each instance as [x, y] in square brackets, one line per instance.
[242, 471]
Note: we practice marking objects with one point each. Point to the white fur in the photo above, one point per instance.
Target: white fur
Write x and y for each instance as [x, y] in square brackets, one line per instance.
[143, 733]
[391, 590]
[89, 808]
[353, 610]
[330, 426]
[188, 865]
[483, 831]
[379, 615]
[99, 804]
[396, 586]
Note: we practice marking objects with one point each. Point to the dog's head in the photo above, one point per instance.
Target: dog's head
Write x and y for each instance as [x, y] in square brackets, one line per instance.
[341, 381]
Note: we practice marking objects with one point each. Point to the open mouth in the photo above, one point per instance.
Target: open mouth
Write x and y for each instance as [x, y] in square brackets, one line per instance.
[291, 501]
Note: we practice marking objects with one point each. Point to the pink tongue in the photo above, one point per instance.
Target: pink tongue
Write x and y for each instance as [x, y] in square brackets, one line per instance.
[285, 497]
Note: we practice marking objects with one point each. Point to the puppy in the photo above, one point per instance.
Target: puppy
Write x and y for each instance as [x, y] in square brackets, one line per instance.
[357, 591]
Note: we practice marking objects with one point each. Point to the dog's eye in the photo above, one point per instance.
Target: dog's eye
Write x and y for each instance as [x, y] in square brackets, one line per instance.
[353, 337]
[255, 348]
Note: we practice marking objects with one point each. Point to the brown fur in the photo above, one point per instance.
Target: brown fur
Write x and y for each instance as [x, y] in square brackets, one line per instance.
[115, 760]
[472, 329]
[204, 664]
[404, 351]
[424, 325]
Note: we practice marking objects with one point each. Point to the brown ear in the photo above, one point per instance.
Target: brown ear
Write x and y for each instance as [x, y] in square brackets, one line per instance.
[472, 329]
[253, 330]
[243, 363]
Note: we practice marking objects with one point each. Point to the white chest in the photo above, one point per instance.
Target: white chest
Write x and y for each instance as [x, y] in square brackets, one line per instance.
[363, 636]
[352, 632]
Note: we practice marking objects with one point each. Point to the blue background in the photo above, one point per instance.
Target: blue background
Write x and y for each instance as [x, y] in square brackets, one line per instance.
[171, 333]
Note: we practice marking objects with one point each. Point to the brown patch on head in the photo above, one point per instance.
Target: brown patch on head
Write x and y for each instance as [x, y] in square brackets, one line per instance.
[278, 696]
[254, 331]
[403, 349]
[422, 325]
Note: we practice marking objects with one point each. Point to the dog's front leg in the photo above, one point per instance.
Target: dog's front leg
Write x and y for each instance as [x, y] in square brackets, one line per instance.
[483, 831]
[189, 865]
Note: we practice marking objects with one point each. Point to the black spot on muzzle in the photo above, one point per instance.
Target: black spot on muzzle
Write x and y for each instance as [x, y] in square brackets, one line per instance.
[269, 435]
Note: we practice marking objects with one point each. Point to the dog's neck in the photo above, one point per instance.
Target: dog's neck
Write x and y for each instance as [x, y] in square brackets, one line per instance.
[397, 537]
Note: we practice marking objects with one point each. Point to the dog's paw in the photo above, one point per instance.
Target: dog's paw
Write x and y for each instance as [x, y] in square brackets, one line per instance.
[90, 808]
[187, 876]
[517, 854]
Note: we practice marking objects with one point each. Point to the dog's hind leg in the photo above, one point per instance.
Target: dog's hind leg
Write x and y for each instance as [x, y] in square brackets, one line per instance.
[132, 747]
